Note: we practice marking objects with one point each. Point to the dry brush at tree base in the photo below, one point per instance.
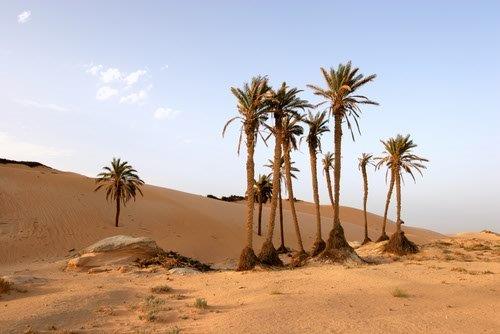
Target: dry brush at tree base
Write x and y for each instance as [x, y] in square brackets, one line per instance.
[248, 260]
[338, 249]
[400, 245]
[318, 247]
[269, 256]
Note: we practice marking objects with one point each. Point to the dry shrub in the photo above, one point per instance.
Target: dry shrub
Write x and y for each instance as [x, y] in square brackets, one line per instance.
[5, 286]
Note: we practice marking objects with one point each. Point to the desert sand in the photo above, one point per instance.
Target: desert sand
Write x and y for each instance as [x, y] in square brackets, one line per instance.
[47, 216]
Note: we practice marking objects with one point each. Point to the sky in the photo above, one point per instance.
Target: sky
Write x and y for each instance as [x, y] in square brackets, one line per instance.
[149, 81]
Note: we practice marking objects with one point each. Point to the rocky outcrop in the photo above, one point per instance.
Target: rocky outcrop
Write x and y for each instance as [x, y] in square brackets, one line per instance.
[115, 251]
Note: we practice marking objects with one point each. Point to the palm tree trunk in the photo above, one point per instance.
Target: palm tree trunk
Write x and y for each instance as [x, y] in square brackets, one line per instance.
[397, 176]
[329, 185]
[383, 235]
[117, 216]
[314, 174]
[365, 200]
[268, 254]
[259, 227]
[336, 168]
[282, 233]
[276, 178]
[248, 259]
[250, 190]
[289, 187]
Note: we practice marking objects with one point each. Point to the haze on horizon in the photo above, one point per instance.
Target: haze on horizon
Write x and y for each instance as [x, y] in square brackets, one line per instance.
[82, 82]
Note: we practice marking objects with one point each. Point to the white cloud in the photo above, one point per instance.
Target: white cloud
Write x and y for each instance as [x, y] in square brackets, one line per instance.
[94, 69]
[163, 68]
[24, 17]
[133, 77]
[34, 104]
[105, 93]
[165, 113]
[12, 148]
[111, 74]
[135, 97]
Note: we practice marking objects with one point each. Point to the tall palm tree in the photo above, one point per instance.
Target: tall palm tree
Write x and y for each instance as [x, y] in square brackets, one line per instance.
[344, 106]
[252, 109]
[263, 188]
[291, 131]
[282, 102]
[318, 124]
[282, 249]
[399, 157]
[364, 160]
[328, 161]
[121, 183]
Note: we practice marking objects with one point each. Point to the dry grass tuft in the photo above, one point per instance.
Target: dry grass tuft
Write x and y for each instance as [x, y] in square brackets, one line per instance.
[399, 293]
[152, 306]
[201, 303]
[161, 289]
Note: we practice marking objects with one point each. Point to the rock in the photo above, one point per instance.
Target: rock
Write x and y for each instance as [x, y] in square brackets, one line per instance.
[119, 250]
[184, 271]
[97, 270]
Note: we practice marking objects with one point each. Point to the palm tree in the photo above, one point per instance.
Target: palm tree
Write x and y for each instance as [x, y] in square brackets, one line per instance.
[292, 130]
[263, 188]
[282, 249]
[121, 182]
[317, 126]
[282, 102]
[328, 161]
[252, 109]
[344, 105]
[399, 158]
[365, 159]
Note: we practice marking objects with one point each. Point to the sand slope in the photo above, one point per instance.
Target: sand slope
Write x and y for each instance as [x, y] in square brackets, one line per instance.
[45, 213]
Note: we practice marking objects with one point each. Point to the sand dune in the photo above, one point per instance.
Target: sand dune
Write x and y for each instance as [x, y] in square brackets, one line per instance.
[45, 213]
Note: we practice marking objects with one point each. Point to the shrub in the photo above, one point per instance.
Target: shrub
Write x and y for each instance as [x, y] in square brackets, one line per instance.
[5, 286]
[161, 289]
[398, 293]
[200, 303]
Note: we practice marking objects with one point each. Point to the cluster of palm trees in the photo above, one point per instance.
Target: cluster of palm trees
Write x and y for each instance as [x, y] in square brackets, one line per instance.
[257, 102]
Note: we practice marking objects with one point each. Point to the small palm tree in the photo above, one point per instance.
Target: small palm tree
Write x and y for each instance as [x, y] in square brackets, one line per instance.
[344, 105]
[281, 103]
[252, 109]
[263, 188]
[364, 160]
[282, 249]
[291, 131]
[317, 126]
[399, 158]
[121, 183]
[328, 161]
[383, 234]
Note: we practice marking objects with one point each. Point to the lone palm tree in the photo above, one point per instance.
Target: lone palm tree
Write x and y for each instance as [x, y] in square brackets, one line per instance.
[364, 160]
[291, 131]
[282, 249]
[282, 102]
[317, 126]
[121, 183]
[398, 156]
[252, 109]
[328, 161]
[344, 106]
[263, 188]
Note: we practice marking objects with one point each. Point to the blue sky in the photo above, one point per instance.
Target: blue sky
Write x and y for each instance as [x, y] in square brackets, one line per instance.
[81, 82]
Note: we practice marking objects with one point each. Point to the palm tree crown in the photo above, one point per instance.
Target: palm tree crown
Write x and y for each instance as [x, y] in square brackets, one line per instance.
[328, 160]
[120, 180]
[292, 130]
[263, 187]
[318, 124]
[364, 160]
[342, 84]
[399, 158]
[252, 107]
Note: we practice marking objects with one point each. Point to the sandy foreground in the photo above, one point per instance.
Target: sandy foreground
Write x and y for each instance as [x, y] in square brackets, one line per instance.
[46, 216]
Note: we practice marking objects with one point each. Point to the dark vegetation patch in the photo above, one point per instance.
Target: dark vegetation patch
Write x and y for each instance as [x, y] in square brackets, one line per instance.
[31, 164]
[171, 260]
[230, 198]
